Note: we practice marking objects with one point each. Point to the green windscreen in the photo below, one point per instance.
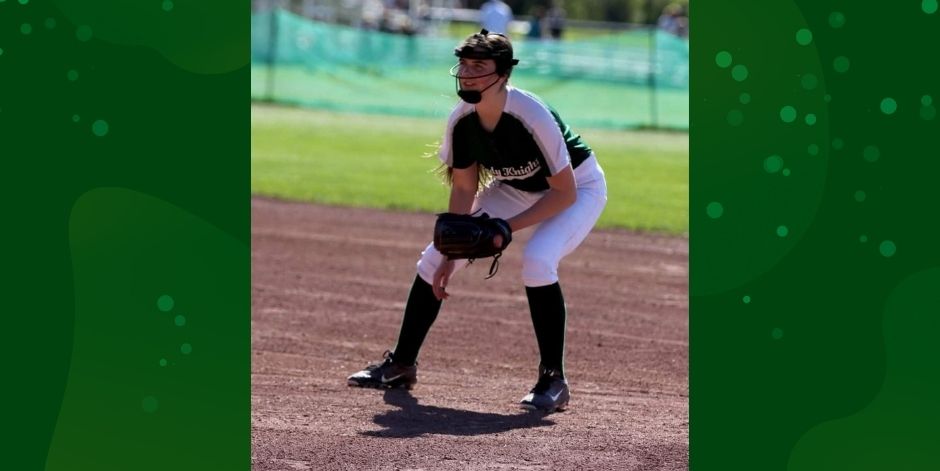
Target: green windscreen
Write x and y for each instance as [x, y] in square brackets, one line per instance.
[605, 81]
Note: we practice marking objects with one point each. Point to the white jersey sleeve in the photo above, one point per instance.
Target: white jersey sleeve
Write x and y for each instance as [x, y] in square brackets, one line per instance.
[539, 121]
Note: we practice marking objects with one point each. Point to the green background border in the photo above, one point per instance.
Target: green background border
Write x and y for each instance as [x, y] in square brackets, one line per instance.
[813, 243]
[124, 129]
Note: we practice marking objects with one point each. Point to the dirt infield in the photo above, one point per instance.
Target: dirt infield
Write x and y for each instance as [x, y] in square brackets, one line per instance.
[328, 289]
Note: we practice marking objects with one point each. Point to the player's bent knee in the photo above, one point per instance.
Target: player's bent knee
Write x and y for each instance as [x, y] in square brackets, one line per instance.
[428, 263]
[539, 271]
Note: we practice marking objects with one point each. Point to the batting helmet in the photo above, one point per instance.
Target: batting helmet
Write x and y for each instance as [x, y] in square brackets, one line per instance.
[487, 45]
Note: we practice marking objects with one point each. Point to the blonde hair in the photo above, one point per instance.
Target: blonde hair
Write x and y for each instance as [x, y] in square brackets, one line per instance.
[446, 172]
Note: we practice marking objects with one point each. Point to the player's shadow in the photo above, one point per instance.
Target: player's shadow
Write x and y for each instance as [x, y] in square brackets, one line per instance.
[412, 419]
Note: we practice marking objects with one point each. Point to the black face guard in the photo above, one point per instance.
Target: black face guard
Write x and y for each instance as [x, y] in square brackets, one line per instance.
[470, 96]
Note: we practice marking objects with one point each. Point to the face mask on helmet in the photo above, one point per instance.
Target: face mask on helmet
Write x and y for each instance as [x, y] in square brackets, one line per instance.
[471, 96]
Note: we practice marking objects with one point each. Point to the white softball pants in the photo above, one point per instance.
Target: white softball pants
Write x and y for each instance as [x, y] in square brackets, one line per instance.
[552, 239]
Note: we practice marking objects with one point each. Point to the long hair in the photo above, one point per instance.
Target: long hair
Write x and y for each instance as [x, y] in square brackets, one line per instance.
[446, 172]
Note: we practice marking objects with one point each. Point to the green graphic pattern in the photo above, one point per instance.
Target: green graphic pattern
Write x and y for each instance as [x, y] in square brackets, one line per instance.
[813, 289]
[126, 247]
[897, 430]
[125, 140]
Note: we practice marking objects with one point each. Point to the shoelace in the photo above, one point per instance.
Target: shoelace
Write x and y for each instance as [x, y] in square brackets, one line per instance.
[545, 381]
[387, 360]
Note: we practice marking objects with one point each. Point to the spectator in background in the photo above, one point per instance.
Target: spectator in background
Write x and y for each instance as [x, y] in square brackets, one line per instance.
[683, 21]
[495, 16]
[556, 19]
[535, 22]
[673, 20]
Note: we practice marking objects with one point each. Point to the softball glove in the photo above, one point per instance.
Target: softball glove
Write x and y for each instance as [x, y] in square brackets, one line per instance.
[459, 236]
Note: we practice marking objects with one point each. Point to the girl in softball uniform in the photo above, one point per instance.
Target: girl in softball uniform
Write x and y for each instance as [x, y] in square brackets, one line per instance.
[543, 176]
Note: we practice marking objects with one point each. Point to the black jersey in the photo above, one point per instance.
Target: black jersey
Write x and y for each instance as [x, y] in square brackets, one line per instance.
[529, 144]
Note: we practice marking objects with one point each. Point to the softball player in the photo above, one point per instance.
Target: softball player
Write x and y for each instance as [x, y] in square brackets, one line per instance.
[540, 174]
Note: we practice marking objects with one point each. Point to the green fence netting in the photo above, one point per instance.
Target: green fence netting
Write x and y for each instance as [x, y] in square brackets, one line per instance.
[602, 82]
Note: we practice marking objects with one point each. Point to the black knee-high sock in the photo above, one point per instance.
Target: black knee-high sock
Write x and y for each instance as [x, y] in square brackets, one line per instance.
[420, 311]
[547, 307]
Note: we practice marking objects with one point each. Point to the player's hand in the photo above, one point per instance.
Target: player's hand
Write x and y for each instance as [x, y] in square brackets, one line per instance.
[441, 278]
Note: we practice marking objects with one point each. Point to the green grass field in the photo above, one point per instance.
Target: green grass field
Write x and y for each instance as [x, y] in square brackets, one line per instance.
[381, 161]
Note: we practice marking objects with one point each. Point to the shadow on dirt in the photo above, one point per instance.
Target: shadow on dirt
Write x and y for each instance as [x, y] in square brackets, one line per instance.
[413, 419]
